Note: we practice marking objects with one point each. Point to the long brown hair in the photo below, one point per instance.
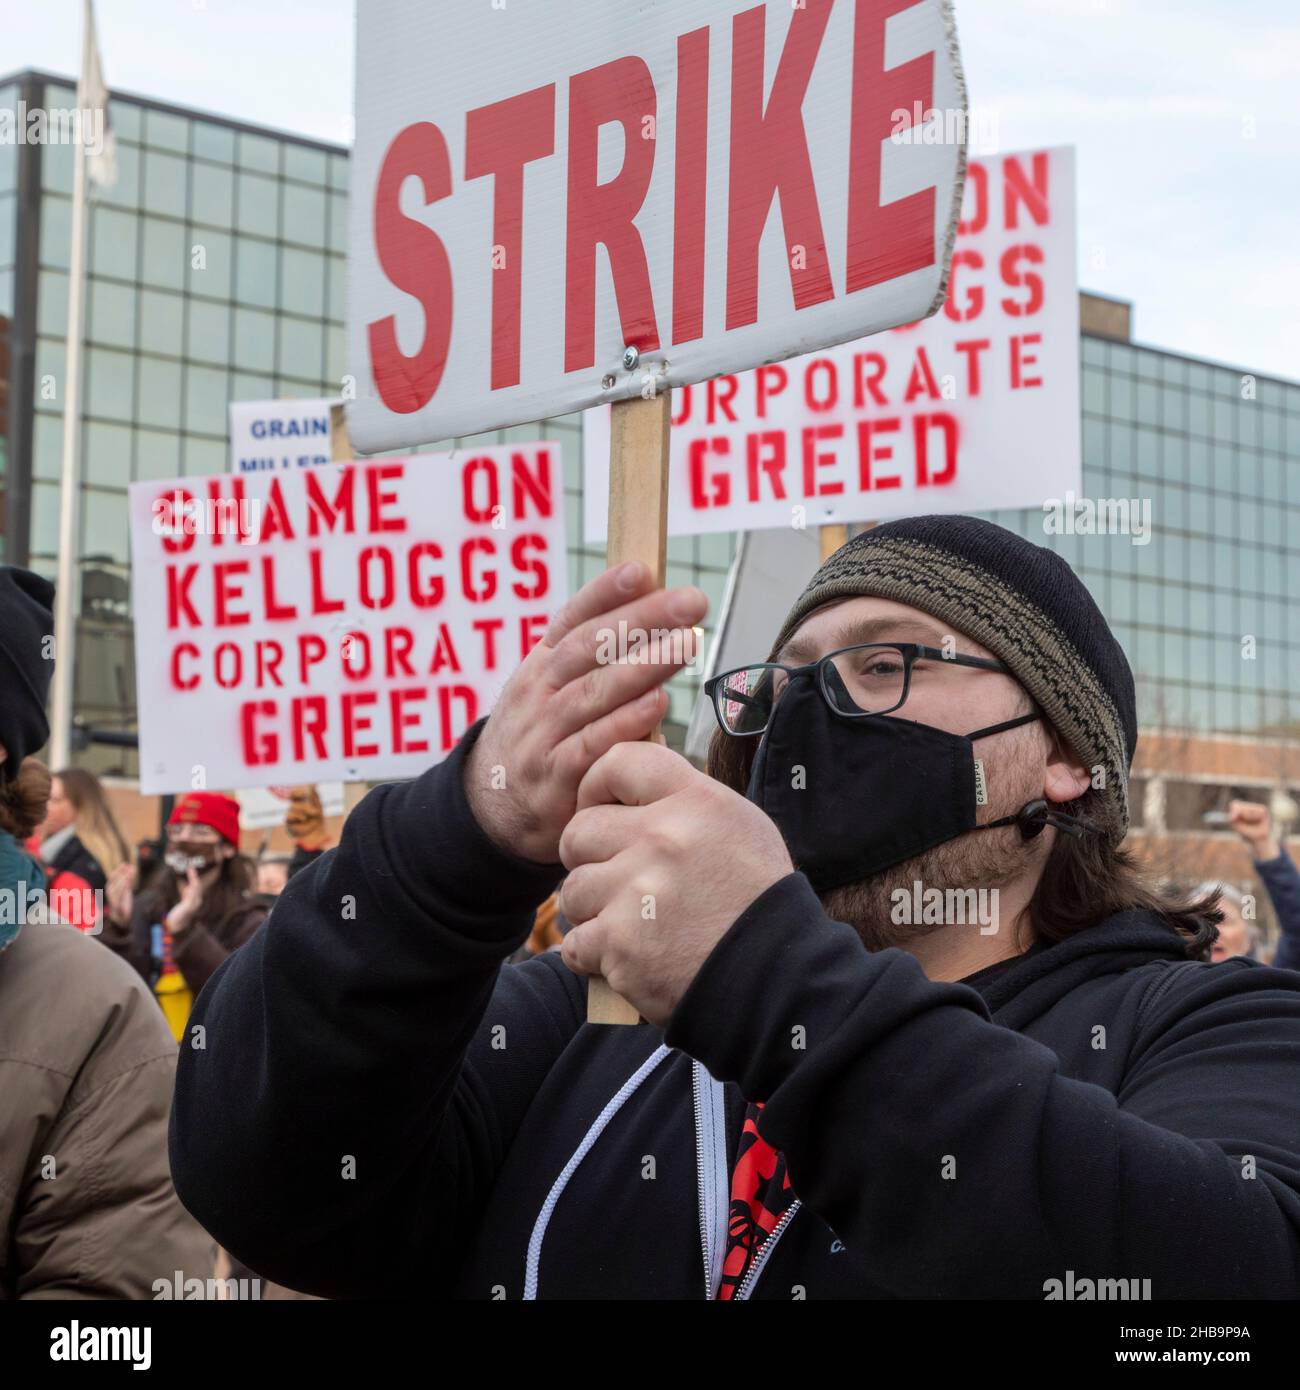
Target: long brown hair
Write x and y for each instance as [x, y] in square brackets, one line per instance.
[1085, 879]
[234, 885]
[96, 826]
[23, 799]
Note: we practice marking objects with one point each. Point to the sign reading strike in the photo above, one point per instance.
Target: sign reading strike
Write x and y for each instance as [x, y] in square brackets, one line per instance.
[974, 409]
[343, 622]
[538, 188]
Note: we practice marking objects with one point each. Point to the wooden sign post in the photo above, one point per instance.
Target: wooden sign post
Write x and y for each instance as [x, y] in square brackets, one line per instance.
[832, 537]
[341, 451]
[638, 530]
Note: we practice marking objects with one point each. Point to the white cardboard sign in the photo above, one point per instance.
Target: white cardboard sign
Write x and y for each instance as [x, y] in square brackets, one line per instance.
[341, 623]
[974, 409]
[537, 186]
[271, 436]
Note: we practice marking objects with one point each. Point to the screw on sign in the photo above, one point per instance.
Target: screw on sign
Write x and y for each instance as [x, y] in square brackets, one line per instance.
[550, 214]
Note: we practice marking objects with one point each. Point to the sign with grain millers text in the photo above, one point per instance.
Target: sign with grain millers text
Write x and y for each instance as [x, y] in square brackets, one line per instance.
[539, 187]
[345, 622]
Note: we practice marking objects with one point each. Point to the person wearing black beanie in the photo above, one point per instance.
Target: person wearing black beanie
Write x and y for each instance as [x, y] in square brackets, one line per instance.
[916, 1025]
[26, 664]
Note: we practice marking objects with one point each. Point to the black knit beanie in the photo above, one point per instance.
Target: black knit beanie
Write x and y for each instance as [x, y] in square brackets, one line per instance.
[1018, 599]
[26, 663]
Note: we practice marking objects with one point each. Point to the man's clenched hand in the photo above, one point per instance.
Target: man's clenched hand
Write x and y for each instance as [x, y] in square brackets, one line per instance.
[661, 860]
[564, 707]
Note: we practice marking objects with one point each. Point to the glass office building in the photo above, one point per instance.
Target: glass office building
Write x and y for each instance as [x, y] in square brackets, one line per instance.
[216, 273]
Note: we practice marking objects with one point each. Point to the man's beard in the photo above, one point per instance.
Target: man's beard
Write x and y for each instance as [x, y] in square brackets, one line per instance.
[980, 859]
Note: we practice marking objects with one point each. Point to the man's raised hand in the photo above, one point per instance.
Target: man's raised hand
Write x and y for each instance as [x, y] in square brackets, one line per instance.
[568, 704]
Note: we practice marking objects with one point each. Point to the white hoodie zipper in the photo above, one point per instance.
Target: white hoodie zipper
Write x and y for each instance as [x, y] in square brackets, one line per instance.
[711, 1173]
[715, 1188]
[713, 1180]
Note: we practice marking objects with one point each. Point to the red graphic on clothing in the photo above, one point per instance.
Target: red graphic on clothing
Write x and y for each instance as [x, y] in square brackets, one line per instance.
[760, 1196]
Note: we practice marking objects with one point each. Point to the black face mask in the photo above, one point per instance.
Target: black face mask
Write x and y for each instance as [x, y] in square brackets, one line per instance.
[854, 796]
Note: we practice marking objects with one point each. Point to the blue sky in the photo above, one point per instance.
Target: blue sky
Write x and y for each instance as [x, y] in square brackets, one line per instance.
[1185, 113]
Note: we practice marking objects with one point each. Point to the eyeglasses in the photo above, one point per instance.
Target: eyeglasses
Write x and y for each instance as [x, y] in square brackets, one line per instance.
[856, 682]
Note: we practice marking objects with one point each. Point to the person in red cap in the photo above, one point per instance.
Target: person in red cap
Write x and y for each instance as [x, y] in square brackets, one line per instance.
[196, 909]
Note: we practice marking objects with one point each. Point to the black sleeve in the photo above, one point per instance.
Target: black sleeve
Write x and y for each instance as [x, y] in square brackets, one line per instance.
[354, 1094]
[955, 1152]
[1282, 880]
[300, 858]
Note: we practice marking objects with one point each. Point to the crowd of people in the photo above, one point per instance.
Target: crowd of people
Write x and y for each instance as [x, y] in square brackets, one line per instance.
[91, 1014]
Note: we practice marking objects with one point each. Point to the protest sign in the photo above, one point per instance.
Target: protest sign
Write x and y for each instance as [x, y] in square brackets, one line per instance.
[270, 436]
[974, 409]
[536, 188]
[263, 808]
[550, 215]
[338, 623]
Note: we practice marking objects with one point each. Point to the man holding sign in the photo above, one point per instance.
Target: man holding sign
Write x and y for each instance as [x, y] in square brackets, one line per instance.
[876, 952]
[819, 1106]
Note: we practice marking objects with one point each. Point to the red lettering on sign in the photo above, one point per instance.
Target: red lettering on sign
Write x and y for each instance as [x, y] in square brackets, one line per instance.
[425, 593]
[1021, 360]
[501, 139]
[977, 193]
[1018, 191]
[381, 499]
[769, 155]
[398, 642]
[321, 511]
[534, 565]
[225, 591]
[487, 628]
[602, 213]
[355, 724]
[275, 612]
[813, 460]
[763, 392]
[896, 238]
[403, 719]
[532, 484]
[1015, 277]
[415, 260]
[180, 682]
[690, 176]
[869, 453]
[868, 370]
[974, 304]
[178, 596]
[921, 427]
[972, 350]
[258, 747]
[772, 463]
[720, 482]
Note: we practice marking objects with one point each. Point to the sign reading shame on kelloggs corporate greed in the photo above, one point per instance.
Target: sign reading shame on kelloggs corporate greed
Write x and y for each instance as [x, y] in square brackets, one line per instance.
[974, 409]
[563, 203]
[339, 623]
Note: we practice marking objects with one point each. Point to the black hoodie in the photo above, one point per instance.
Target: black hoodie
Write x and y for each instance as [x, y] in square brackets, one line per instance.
[379, 1109]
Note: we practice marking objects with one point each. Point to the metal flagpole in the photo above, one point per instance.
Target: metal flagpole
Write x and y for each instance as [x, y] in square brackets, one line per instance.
[65, 600]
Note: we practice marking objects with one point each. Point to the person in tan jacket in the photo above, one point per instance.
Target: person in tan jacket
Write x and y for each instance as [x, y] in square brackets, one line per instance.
[87, 1206]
